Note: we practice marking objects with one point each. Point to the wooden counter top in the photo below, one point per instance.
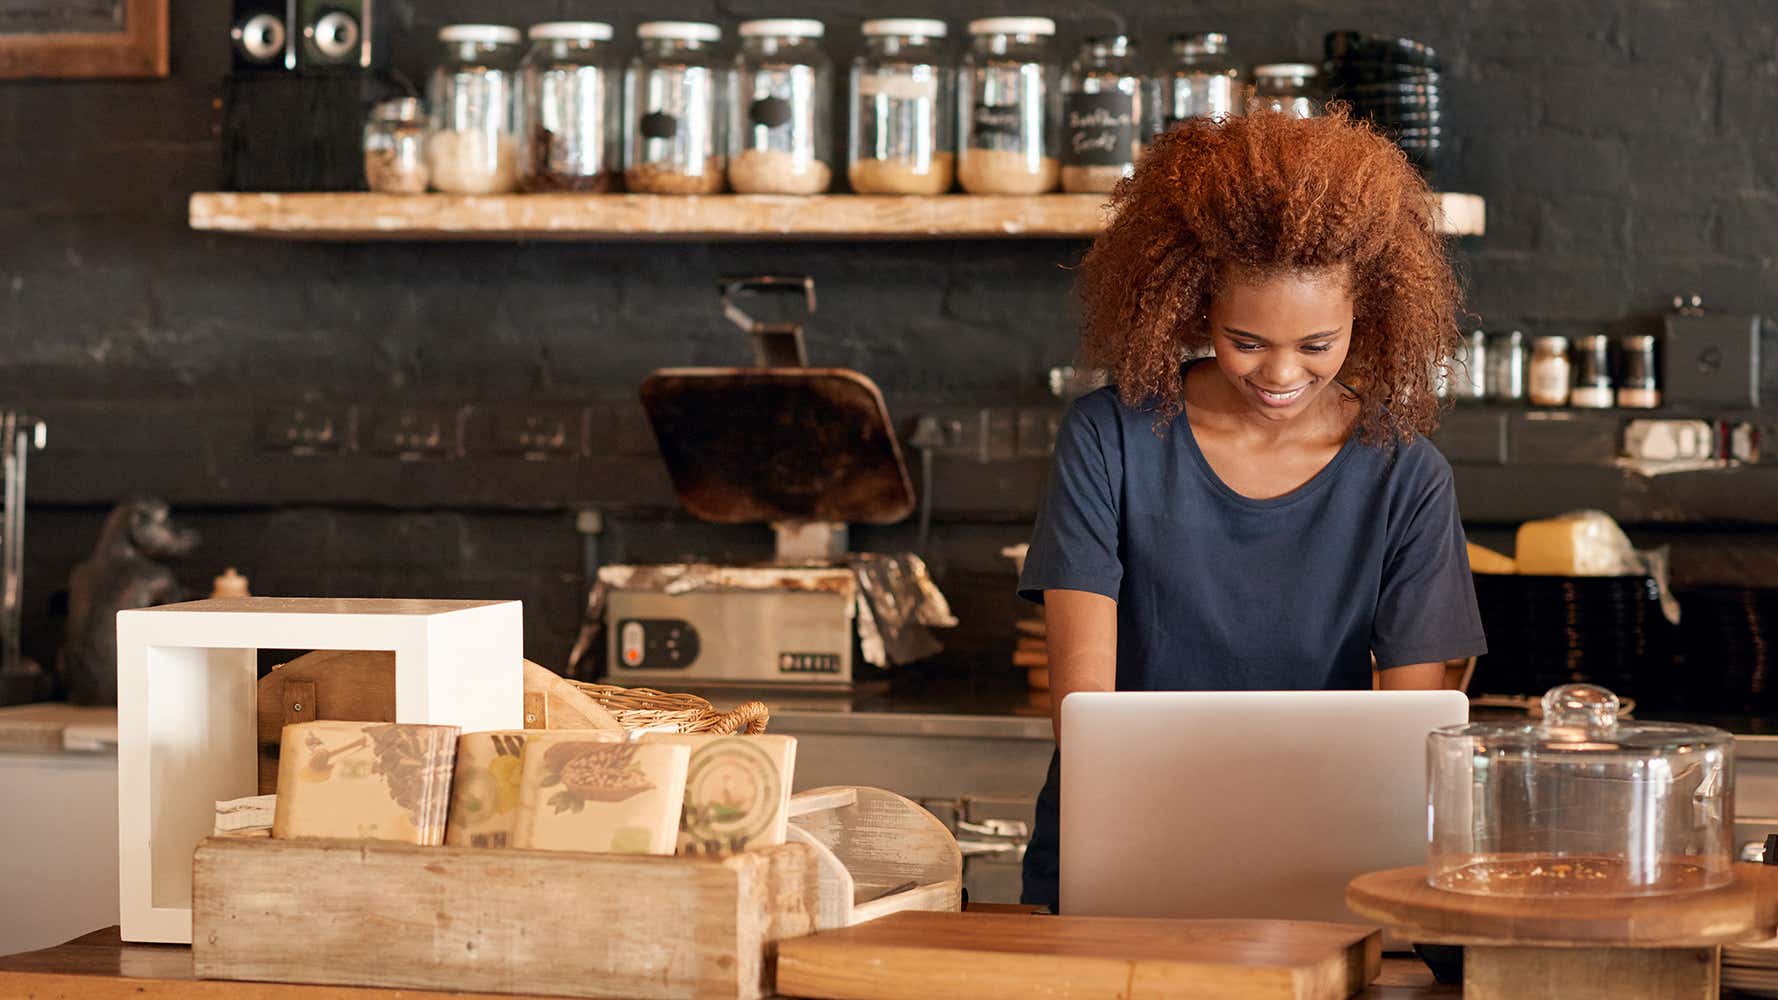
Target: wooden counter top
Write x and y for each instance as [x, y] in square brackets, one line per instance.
[100, 966]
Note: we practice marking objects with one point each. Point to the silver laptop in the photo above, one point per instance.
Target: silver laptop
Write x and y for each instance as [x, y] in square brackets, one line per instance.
[1241, 804]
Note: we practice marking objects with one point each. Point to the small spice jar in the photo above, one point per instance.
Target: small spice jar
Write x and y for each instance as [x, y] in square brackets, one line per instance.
[1104, 115]
[1551, 377]
[573, 88]
[395, 147]
[1592, 373]
[1506, 367]
[1292, 88]
[904, 110]
[1638, 389]
[674, 90]
[474, 144]
[1009, 106]
[780, 125]
[1200, 81]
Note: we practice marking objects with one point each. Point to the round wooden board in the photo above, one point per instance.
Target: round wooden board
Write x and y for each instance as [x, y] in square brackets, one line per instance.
[1402, 900]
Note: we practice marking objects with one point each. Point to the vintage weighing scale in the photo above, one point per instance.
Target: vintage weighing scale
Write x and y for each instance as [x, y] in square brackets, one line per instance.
[1586, 857]
[807, 451]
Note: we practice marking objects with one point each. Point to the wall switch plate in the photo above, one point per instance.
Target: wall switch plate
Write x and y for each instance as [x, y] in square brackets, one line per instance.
[420, 432]
[1711, 361]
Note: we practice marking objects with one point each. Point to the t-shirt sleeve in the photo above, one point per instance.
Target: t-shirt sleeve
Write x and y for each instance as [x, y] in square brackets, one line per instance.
[1427, 611]
[1075, 543]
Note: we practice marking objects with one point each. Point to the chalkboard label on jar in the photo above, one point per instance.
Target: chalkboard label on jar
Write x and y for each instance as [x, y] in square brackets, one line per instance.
[659, 125]
[1100, 129]
[997, 120]
[770, 112]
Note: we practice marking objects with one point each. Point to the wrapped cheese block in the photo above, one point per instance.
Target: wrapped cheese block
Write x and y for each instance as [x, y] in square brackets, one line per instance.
[737, 791]
[365, 781]
[1481, 560]
[581, 793]
[1579, 543]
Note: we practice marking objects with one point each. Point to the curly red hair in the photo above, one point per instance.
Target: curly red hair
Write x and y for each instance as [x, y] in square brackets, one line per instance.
[1275, 194]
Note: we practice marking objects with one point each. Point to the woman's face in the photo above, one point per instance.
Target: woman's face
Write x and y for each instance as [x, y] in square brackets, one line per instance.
[1281, 339]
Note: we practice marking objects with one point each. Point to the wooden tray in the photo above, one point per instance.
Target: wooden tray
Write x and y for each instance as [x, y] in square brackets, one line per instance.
[365, 913]
[910, 956]
[1577, 948]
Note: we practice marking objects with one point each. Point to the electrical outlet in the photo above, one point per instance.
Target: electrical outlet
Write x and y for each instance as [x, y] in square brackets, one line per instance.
[308, 429]
[540, 432]
[420, 432]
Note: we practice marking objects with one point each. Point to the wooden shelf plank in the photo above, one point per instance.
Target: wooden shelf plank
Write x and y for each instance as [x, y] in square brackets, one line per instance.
[361, 216]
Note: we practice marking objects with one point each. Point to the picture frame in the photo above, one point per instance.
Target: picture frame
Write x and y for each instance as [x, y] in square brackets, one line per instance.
[83, 39]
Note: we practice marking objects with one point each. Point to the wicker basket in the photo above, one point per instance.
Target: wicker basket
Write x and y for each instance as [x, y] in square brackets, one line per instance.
[637, 708]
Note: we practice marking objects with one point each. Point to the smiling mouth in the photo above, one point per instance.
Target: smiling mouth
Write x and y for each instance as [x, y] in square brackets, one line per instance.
[1272, 398]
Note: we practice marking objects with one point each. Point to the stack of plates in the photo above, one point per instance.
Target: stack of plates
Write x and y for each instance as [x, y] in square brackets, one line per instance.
[1751, 969]
[1394, 82]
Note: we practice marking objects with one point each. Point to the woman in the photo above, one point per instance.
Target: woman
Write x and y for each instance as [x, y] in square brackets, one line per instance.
[1270, 516]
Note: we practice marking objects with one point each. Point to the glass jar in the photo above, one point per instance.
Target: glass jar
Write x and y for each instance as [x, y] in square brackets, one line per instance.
[1008, 107]
[780, 123]
[395, 147]
[1592, 373]
[1551, 375]
[474, 144]
[1506, 367]
[1292, 88]
[674, 89]
[1201, 81]
[1467, 371]
[1104, 115]
[1638, 389]
[904, 110]
[572, 103]
[1581, 804]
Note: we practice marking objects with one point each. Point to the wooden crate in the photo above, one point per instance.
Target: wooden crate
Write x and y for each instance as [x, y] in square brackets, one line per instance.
[365, 913]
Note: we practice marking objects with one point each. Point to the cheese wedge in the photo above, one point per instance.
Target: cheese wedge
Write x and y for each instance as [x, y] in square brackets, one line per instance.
[1485, 560]
[1579, 543]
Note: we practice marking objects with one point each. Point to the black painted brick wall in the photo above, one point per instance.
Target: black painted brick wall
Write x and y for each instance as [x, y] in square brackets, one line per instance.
[1627, 148]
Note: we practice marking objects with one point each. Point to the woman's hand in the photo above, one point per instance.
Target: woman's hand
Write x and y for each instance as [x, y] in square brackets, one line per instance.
[1082, 641]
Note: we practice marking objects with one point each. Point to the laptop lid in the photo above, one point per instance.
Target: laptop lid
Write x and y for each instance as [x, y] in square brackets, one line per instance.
[1241, 804]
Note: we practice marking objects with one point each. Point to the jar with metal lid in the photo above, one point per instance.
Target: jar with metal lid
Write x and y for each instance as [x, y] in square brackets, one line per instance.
[1009, 107]
[1506, 367]
[674, 91]
[780, 122]
[904, 110]
[1105, 111]
[1201, 81]
[1551, 374]
[395, 147]
[1592, 373]
[1638, 389]
[573, 91]
[1291, 88]
[1465, 375]
[1584, 803]
[474, 96]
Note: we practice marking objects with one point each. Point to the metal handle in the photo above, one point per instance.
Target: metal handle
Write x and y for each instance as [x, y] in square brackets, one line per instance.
[775, 345]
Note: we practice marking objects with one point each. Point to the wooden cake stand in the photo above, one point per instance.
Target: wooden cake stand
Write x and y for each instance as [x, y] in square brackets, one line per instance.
[1577, 948]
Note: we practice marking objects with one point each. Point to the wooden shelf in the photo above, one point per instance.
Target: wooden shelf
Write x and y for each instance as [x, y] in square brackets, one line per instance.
[358, 217]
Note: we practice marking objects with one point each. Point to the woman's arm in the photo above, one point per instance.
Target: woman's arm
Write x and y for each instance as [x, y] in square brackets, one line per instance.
[1413, 677]
[1082, 641]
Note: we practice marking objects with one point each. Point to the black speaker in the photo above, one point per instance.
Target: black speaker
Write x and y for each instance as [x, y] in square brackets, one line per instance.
[341, 35]
[263, 34]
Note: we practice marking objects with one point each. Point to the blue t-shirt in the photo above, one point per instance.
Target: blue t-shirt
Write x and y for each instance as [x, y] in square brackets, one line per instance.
[1216, 591]
[1220, 592]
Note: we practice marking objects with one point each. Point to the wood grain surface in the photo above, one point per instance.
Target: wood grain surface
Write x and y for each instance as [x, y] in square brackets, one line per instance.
[440, 918]
[1401, 899]
[100, 966]
[912, 955]
[364, 216]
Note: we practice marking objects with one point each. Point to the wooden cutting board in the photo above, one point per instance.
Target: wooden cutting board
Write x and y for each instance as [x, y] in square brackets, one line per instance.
[914, 955]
